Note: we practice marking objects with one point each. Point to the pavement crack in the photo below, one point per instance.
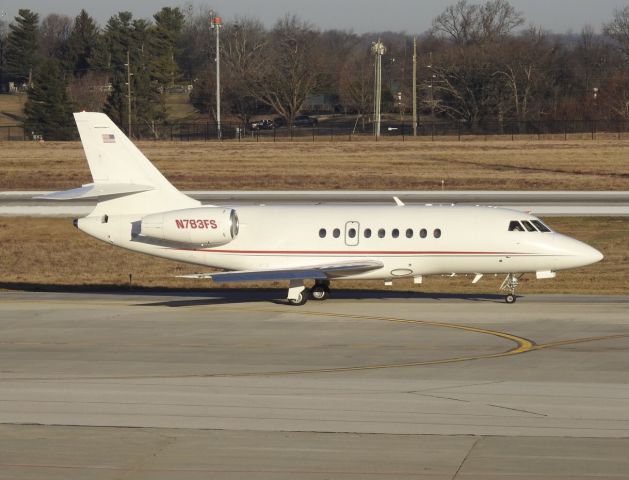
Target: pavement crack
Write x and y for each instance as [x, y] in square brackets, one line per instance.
[467, 455]
[439, 397]
[517, 410]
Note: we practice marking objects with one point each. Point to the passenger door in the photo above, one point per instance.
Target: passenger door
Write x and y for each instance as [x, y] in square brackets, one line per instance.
[352, 231]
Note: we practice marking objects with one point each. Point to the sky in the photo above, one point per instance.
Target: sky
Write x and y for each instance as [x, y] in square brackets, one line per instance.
[411, 16]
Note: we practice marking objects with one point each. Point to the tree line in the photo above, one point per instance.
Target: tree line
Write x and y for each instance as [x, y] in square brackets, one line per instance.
[479, 63]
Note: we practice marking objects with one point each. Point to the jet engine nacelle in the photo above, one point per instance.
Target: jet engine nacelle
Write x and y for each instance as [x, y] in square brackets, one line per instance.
[203, 226]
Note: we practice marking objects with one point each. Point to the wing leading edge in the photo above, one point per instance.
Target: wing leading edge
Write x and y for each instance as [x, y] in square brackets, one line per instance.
[311, 272]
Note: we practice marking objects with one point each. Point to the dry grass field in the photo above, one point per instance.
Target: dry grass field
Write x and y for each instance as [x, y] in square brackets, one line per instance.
[44, 253]
[386, 165]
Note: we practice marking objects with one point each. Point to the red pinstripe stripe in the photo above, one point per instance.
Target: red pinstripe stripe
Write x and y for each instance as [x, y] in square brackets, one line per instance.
[350, 252]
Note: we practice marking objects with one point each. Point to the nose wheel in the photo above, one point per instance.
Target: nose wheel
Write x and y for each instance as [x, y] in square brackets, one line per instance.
[509, 285]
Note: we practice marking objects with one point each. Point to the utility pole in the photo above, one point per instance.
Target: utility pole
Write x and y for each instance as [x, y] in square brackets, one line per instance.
[216, 24]
[378, 49]
[128, 65]
[414, 86]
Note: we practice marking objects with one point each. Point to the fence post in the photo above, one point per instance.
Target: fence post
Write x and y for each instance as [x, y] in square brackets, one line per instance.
[593, 128]
[432, 128]
[313, 133]
[332, 134]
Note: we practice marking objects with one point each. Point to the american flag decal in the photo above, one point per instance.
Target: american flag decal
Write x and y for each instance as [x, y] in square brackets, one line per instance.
[109, 138]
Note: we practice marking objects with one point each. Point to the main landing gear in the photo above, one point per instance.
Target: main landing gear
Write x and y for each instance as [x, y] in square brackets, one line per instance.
[509, 285]
[321, 290]
[298, 294]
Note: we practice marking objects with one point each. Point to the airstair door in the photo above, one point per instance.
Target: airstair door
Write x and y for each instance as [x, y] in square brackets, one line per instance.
[352, 231]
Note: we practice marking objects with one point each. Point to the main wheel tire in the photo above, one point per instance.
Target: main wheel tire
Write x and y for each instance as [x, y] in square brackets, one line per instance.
[319, 292]
[301, 299]
[510, 298]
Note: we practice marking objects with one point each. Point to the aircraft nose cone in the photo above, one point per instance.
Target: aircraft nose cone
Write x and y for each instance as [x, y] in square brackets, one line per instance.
[587, 255]
[595, 255]
[575, 253]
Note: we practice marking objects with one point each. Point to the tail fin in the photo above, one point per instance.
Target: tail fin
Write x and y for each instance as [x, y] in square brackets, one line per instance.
[124, 179]
[112, 157]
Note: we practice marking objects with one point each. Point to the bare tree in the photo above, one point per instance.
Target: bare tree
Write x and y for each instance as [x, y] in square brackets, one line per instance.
[614, 96]
[464, 86]
[465, 23]
[356, 82]
[618, 29]
[244, 41]
[290, 70]
[54, 32]
[89, 91]
[523, 63]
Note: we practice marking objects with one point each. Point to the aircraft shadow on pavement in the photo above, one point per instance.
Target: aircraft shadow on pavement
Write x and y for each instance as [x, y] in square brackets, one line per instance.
[223, 296]
[233, 296]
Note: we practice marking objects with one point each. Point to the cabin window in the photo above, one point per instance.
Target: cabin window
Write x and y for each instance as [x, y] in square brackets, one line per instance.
[322, 233]
[515, 226]
[381, 233]
[423, 233]
[336, 233]
[540, 226]
[367, 232]
[528, 226]
[395, 233]
[351, 233]
[437, 233]
[409, 233]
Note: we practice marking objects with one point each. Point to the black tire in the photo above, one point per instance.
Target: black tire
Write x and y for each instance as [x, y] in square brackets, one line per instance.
[301, 299]
[319, 293]
[510, 298]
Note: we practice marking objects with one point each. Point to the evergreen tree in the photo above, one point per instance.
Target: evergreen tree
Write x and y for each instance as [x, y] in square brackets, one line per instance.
[21, 55]
[112, 56]
[164, 40]
[81, 44]
[3, 47]
[48, 108]
[122, 35]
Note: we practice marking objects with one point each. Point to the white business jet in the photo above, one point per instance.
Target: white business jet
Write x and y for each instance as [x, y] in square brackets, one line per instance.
[138, 209]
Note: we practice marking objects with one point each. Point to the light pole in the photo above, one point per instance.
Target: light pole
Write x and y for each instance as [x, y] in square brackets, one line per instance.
[378, 49]
[216, 24]
[415, 86]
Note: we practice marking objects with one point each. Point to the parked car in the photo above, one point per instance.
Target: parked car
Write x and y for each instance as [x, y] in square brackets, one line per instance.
[305, 121]
[264, 124]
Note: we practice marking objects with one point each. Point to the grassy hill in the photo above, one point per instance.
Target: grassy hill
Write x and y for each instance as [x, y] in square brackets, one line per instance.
[12, 108]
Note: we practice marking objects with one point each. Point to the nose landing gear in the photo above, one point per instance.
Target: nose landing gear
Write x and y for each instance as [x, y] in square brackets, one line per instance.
[509, 285]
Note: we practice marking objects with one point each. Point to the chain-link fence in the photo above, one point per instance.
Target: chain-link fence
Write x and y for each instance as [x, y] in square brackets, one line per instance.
[334, 131]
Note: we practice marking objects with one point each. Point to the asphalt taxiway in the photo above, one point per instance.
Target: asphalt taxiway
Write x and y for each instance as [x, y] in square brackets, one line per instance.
[230, 384]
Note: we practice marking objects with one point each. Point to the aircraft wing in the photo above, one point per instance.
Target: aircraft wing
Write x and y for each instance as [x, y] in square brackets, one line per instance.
[310, 272]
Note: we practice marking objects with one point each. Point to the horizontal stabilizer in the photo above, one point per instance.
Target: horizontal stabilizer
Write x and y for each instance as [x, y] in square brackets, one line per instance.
[96, 191]
[315, 272]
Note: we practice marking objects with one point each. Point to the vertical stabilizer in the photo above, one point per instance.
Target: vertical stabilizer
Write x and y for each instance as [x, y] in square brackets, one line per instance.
[114, 159]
